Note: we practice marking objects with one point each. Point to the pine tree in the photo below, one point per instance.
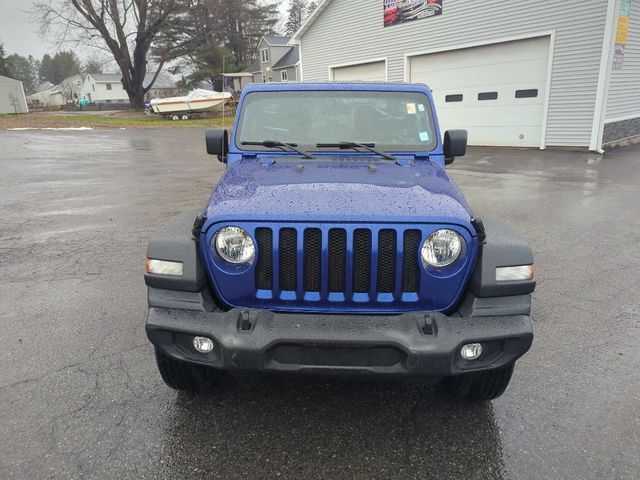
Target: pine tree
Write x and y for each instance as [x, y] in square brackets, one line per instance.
[297, 13]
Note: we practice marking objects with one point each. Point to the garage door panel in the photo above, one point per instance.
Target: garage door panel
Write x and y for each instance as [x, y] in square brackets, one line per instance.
[366, 72]
[504, 69]
[506, 97]
[491, 54]
[494, 117]
[510, 73]
[490, 137]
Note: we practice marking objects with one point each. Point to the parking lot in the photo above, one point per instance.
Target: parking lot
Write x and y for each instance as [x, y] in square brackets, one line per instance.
[80, 396]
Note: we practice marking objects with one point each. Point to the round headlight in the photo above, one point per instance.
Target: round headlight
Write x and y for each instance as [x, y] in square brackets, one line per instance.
[235, 245]
[442, 248]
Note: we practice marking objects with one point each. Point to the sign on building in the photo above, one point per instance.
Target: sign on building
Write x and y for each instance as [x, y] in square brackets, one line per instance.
[401, 11]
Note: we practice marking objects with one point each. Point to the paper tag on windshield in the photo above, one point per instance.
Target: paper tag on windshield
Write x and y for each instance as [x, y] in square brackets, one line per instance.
[424, 136]
[411, 108]
[421, 107]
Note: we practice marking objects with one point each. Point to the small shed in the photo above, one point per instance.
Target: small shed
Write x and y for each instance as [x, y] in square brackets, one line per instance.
[12, 97]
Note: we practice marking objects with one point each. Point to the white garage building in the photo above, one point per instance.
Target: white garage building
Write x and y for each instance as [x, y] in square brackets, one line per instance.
[561, 73]
[12, 98]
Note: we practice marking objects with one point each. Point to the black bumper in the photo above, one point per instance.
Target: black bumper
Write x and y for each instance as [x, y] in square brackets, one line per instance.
[410, 345]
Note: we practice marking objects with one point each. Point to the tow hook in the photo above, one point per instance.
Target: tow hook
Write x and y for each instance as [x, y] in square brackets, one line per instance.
[430, 326]
[244, 322]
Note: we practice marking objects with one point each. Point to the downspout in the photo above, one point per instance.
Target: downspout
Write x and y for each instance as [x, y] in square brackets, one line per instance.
[602, 94]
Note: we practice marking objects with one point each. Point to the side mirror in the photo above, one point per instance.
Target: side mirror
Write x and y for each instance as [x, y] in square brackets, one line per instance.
[218, 143]
[455, 145]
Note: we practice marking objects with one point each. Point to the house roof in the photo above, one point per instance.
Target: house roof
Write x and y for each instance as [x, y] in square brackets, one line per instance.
[277, 41]
[291, 58]
[7, 79]
[44, 86]
[106, 77]
[253, 68]
[312, 18]
[163, 80]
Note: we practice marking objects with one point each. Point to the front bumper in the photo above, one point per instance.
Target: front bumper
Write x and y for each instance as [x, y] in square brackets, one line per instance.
[408, 345]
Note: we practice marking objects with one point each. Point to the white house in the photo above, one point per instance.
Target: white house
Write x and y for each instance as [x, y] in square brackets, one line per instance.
[99, 88]
[518, 73]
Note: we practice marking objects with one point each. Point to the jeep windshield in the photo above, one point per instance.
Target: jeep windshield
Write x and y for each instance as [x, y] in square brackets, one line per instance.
[392, 121]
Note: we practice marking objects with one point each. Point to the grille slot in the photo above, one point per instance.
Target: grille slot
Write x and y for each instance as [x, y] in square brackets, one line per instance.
[308, 259]
[337, 259]
[410, 262]
[386, 260]
[264, 266]
[361, 260]
[312, 260]
[288, 261]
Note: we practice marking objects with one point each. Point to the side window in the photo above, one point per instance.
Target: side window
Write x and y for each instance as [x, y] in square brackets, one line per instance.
[264, 78]
[488, 96]
[531, 93]
[109, 86]
[264, 55]
[453, 98]
[284, 76]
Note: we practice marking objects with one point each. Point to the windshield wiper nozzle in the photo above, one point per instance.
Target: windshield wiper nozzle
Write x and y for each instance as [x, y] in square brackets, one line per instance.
[293, 147]
[371, 147]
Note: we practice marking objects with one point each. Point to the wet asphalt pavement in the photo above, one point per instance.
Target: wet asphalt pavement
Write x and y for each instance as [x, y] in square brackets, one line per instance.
[80, 396]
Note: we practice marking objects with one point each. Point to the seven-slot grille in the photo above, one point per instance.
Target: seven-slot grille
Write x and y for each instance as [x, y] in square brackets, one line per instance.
[363, 261]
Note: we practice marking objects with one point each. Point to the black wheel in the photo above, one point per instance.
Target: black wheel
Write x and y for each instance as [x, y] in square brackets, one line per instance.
[186, 376]
[479, 386]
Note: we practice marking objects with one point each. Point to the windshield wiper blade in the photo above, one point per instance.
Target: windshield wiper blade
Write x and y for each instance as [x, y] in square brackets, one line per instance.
[371, 147]
[284, 146]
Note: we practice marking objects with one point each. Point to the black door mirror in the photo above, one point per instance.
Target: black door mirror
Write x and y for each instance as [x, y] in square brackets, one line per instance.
[455, 145]
[218, 143]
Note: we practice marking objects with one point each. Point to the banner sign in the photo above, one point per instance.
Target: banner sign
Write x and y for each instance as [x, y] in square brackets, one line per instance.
[622, 34]
[401, 11]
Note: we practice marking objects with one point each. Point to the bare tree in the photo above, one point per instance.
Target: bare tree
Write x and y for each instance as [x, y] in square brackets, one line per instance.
[126, 28]
[13, 100]
[69, 91]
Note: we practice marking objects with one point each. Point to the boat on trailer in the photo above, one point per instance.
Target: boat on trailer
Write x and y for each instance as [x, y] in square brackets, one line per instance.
[182, 108]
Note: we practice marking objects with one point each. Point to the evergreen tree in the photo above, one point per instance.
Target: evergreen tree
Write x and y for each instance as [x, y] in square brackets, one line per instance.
[62, 65]
[24, 69]
[3, 62]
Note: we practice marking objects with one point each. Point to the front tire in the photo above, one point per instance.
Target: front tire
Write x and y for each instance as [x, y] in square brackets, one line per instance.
[186, 377]
[479, 386]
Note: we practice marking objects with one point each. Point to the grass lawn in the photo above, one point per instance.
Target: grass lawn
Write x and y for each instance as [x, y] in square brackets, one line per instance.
[104, 120]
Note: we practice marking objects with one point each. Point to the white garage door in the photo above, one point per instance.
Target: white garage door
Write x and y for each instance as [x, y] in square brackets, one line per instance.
[497, 92]
[367, 72]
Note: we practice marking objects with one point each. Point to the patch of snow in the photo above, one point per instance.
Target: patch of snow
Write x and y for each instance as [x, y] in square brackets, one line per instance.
[49, 128]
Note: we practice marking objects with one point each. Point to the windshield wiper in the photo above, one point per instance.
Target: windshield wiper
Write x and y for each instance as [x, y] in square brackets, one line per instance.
[371, 147]
[284, 146]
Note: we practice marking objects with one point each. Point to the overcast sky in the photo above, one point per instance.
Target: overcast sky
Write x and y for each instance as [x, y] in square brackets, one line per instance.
[19, 33]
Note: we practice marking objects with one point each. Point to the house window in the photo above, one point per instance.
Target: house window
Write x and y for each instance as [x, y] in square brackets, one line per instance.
[453, 98]
[264, 55]
[93, 85]
[284, 76]
[109, 86]
[488, 96]
[264, 78]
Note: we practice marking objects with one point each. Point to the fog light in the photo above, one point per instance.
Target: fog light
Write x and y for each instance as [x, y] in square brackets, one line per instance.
[471, 351]
[202, 344]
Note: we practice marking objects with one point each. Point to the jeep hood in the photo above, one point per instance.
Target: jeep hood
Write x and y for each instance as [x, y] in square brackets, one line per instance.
[344, 189]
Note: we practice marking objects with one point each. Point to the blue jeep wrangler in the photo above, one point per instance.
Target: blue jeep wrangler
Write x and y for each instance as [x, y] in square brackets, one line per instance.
[336, 243]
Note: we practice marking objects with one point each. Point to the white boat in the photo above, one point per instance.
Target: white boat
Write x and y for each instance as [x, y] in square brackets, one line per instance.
[196, 101]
